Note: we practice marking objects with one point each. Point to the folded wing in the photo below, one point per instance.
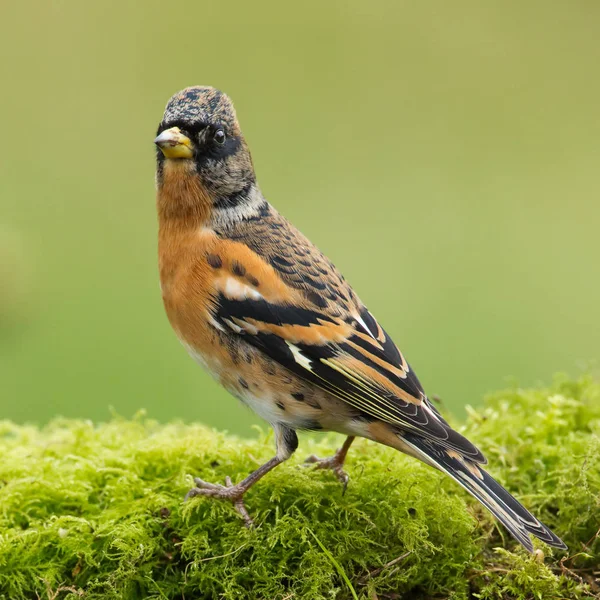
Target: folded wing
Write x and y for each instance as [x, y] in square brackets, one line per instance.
[352, 358]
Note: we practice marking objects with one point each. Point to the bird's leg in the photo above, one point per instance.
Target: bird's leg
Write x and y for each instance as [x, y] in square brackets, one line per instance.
[287, 442]
[335, 462]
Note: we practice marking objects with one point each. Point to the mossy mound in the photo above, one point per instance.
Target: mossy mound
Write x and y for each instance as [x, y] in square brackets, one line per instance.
[97, 512]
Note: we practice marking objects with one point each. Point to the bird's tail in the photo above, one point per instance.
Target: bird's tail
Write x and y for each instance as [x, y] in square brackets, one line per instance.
[508, 510]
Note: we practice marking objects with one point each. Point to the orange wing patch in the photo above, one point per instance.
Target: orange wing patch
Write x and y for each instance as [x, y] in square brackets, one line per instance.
[397, 371]
[255, 276]
[317, 334]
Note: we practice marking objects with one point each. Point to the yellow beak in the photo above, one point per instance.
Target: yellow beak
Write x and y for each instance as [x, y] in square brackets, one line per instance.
[174, 144]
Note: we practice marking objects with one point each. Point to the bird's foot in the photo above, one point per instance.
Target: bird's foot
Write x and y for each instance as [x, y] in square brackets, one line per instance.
[228, 492]
[334, 463]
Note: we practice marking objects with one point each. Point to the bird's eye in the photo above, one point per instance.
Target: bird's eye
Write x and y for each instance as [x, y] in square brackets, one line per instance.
[219, 137]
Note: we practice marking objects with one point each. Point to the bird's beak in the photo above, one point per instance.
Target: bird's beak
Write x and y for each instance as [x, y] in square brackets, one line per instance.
[174, 144]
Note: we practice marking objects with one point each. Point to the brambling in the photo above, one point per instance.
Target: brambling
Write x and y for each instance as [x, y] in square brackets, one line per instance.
[271, 318]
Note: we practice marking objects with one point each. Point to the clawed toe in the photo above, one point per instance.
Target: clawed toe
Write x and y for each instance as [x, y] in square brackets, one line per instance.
[230, 492]
[205, 485]
[332, 463]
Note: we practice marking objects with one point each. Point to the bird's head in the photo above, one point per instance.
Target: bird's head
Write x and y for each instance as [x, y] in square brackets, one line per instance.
[199, 138]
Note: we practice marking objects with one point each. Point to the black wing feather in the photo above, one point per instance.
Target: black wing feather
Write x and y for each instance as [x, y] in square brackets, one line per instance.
[368, 397]
[507, 509]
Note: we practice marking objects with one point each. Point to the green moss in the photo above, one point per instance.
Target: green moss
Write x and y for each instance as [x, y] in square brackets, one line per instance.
[96, 512]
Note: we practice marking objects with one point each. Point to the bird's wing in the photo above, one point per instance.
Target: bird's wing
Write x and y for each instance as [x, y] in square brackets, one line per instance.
[289, 301]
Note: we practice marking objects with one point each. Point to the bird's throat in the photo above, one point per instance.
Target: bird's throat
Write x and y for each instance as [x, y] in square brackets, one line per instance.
[181, 196]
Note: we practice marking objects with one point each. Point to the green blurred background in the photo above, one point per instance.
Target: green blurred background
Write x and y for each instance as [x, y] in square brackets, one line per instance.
[445, 155]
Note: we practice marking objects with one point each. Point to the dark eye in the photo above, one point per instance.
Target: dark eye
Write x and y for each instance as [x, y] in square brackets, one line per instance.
[219, 137]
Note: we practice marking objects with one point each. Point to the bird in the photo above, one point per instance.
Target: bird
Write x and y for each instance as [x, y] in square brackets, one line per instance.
[269, 316]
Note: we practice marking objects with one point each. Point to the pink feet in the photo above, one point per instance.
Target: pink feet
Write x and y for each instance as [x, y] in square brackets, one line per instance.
[229, 492]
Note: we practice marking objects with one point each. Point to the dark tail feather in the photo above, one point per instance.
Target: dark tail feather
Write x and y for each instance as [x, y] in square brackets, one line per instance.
[508, 510]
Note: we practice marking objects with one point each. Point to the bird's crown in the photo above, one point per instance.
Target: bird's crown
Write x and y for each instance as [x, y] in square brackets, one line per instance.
[201, 105]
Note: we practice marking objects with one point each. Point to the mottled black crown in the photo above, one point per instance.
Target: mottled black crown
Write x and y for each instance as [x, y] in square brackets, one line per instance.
[201, 106]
